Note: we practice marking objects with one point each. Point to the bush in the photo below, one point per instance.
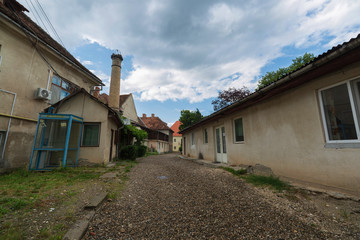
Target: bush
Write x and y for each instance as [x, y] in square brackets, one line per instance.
[141, 151]
[180, 149]
[129, 152]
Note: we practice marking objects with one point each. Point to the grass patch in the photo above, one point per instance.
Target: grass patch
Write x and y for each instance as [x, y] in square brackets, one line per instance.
[271, 181]
[10, 232]
[257, 180]
[22, 189]
[235, 172]
[151, 153]
[25, 196]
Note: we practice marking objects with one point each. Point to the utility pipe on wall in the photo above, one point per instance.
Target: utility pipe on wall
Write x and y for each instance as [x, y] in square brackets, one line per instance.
[8, 128]
[49, 78]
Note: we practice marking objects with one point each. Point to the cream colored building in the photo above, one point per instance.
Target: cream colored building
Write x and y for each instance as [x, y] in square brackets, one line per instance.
[160, 136]
[177, 137]
[34, 71]
[101, 123]
[305, 126]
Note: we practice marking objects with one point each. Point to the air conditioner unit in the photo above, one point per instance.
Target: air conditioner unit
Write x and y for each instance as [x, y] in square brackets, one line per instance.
[42, 93]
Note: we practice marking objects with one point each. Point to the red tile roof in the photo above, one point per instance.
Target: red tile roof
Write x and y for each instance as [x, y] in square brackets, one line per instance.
[14, 12]
[154, 123]
[175, 128]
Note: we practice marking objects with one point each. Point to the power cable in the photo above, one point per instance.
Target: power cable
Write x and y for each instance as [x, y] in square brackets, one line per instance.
[32, 12]
[30, 38]
[48, 20]
[39, 17]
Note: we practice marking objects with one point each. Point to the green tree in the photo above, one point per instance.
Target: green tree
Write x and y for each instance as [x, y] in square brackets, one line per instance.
[227, 97]
[138, 134]
[188, 118]
[273, 76]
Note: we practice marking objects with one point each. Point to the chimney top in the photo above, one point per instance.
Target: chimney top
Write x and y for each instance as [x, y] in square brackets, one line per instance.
[144, 115]
[116, 56]
[152, 115]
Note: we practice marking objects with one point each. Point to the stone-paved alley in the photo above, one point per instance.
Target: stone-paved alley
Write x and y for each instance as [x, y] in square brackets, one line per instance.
[171, 198]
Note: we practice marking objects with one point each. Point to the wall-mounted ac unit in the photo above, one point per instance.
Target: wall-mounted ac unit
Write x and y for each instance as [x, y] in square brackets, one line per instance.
[42, 93]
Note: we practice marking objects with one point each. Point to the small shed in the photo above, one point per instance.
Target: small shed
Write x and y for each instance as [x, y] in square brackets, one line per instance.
[57, 141]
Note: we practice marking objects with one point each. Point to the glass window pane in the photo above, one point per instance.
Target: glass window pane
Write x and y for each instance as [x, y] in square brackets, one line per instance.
[75, 131]
[56, 80]
[63, 94]
[223, 139]
[239, 131]
[205, 136]
[338, 113]
[55, 94]
[66, 86]
[218, 149]
[91, 135]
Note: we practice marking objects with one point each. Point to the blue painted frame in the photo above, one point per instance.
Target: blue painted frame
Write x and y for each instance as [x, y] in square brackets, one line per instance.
[44, 150]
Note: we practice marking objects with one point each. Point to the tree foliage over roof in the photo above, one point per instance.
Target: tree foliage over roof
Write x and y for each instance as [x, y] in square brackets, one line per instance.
[273, 76]
[227, 97]
[188, 118]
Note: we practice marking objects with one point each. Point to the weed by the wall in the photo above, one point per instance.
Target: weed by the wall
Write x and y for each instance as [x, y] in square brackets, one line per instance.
[273, 182]
[235, 172]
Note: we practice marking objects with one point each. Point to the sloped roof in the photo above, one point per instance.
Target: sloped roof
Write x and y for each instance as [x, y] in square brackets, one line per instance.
[336, 58]
[154, 123]
[114, 113]
[14, 11]
[175, 128]
[105, 98]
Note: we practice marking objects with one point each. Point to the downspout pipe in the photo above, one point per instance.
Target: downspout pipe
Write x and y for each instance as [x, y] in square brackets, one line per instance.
[9, 124]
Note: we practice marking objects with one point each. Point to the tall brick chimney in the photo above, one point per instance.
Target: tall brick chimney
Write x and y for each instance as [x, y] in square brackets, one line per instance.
[114, 94]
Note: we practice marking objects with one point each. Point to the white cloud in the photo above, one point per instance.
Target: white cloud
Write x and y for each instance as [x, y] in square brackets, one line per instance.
[192, 49]
[87, 62]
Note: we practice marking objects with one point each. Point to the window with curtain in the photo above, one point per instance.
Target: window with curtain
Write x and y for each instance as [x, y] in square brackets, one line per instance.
[340, 109]
[91, 135]
[205, 136]
[238, 130]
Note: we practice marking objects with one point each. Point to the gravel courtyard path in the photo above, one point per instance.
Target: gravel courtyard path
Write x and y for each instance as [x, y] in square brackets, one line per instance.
[170, 198]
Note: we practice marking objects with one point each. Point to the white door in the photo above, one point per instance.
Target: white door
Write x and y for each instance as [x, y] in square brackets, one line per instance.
[220, 141]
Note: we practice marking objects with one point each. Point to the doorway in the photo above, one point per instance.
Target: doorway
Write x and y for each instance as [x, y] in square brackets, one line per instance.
[111, 145]
[220, 141]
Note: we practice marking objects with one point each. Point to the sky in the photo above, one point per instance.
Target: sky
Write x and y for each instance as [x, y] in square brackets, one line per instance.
[178, 54]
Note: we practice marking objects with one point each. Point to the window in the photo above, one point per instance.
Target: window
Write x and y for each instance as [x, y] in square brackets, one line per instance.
[340, 111]
[91, 135]
[174, 139]
[192, 139]
[239, 130]
[0, 55]
[205, 136]
[174, 147]
[2, 141]
[60, 89]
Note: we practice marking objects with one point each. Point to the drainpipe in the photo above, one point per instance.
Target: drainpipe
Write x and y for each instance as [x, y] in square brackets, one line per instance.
[8, 128]
[49, 79]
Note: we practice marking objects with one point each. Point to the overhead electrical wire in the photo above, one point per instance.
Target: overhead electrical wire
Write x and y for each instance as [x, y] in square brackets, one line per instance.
[32, 12]
[48, 21]
[39, 17]
[27, 34]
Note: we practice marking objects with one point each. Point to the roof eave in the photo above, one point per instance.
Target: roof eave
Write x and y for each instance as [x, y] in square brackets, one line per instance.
[336, 54]
[93, 77]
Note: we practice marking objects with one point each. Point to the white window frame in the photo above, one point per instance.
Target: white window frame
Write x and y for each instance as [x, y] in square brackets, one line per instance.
[234, 129]
[353, 110]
